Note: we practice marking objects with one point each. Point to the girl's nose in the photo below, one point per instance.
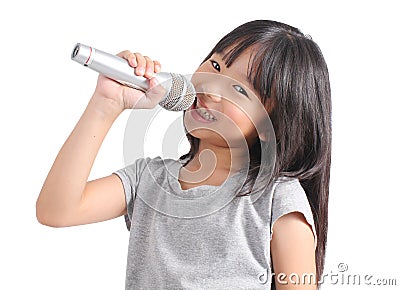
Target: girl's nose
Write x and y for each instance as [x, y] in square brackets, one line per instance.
[211, 91]
[213, 97]
[210, 85]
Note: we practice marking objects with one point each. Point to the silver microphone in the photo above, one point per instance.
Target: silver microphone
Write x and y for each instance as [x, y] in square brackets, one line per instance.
[180, 92]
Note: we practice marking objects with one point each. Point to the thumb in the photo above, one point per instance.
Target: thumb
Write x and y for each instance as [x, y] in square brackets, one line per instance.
[156, 92]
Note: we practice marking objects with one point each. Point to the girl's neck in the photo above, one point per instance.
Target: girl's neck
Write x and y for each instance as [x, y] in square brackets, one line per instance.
[212, 165]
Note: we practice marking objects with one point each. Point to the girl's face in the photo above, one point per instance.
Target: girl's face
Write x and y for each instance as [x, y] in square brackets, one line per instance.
[226, 110]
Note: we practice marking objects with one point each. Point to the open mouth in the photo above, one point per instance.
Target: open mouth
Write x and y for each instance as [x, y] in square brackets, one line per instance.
[202, 114]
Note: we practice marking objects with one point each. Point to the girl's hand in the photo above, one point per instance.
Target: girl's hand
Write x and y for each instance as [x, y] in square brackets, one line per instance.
[67, 198]
[124, 97]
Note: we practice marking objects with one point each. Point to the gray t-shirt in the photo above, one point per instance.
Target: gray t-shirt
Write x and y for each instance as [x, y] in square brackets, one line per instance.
[229, 248]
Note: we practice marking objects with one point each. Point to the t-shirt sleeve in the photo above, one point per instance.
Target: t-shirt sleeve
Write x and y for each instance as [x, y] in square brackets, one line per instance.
[289, 196]
[130, 176]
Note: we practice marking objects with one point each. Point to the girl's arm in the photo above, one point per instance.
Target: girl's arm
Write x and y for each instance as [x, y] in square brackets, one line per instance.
[66, 197]
[293, 255]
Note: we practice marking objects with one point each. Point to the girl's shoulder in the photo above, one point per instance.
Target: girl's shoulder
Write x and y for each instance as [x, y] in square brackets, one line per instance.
[288, 186]
[288, 193]
[141, 163]
[289, 196]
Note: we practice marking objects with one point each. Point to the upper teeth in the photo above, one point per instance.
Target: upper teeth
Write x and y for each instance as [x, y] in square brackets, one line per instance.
[203, 112]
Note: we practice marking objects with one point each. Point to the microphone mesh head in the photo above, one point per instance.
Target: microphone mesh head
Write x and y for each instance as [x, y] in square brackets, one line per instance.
[181, 94]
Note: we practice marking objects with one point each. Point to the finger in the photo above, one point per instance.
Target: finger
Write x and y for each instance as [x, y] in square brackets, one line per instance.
[124, 54]
[140, 69]
[149, 67]
[132, 60]
[129, 56]
[157, 66]
[155, 93]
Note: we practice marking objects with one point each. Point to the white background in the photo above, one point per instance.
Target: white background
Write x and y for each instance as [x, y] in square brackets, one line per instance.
[43, 94]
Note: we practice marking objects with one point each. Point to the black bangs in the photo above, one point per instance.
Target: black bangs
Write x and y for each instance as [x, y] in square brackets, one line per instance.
[235, 50]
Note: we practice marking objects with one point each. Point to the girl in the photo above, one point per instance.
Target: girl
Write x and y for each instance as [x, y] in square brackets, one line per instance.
[178, 241]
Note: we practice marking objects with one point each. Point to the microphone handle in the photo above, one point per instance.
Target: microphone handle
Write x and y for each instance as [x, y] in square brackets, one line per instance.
[116, 68]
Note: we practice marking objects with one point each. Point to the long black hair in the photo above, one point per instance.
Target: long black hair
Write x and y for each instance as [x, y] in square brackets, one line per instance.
[288, 68]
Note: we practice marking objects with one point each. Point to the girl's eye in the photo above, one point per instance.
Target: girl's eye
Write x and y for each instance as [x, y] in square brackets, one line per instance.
[215, 65]
[240, 90]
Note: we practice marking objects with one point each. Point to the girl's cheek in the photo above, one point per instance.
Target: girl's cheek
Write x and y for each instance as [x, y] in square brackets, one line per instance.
[238, 115]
